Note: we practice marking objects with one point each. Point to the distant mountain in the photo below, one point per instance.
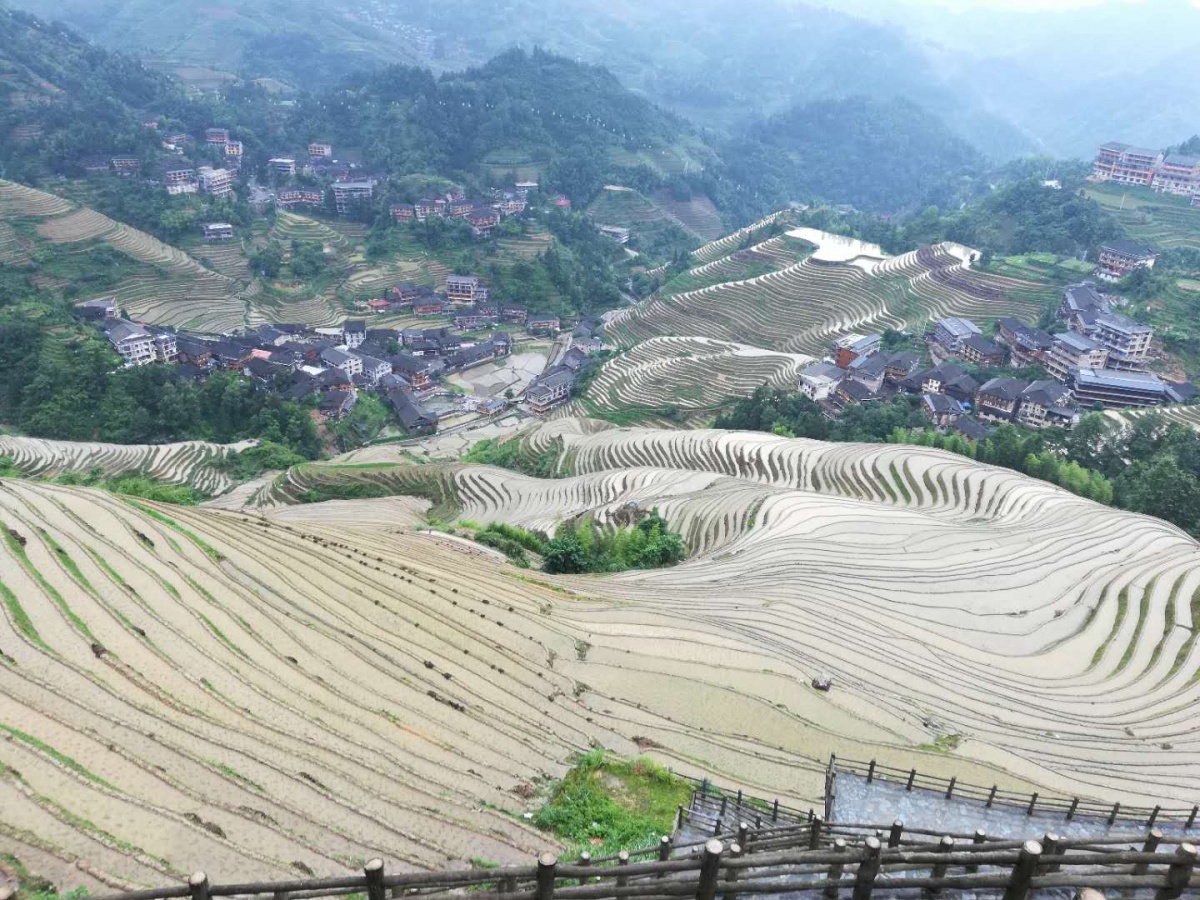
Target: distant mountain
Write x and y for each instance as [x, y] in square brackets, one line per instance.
[882, 156]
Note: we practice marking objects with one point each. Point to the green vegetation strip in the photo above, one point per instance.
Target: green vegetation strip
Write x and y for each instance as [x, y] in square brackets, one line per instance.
[171, 523]
[606, 804]
[20, 617]
[18, 550]
[60, 758]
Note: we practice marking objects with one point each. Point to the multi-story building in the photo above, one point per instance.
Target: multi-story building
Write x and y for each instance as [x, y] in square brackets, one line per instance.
[850, 347]
[404, 212]
[282, 165]
[1026, 344]
[483, 219]
[348, 194]
[1120, 257]
[1046, 403]
[234, 150]
[425, 208]
[1072, 350]
[165, 347]
[820, 379]
[1080, 301]
[549, 390]
[318, 150]
[137, 346]
[950, 333]
[997, 400]
[1117, 389]
[180, 178]
[354, 332]
[216, 135]
[1128, 342]
[1125, 164]
[1178, 175]
[338, 359]
[126, 165]
[299, 198]
[217, 231]
[462, 288]
[979, 350]
[218, 182]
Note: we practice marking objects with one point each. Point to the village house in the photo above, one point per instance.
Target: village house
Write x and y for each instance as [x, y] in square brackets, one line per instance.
[427, 207]
[1125, 164]
[1128, 342]
[336, 405]
[618, 234]
[949, 333]
[198, 353]
[850, 391]
[339, 359]
[354, 332]
[868, 371]
[98, 310]
[462, 288]
[216, 135]
[1119, 258]
[1081, 303]
[428, 305]
[1072, 350]
[234, 150]
[1045, 404]
[319, 150]
[415, 418]
[418, 371]
[971, 429]
[138, 346]
[549, 390]
[475, 317]
[282, 165]
[349, 194]
[997, 400]
[1178, 175]
[820, 379]
[469, 357]
[1026, 344]
[542, 324]
[459, 208]
[979, 350]
[126, 166]
[483, 220]
[373, 368]
[850, 347]
[900, 365]
[403, 212]
[940, 409]
[288, 199]
[514, 315]
[217, 231]
[502, 343]
[217, 182]
[1116, 390]
[947, 378]
[179, 177]
[510, 205]
[404, 293]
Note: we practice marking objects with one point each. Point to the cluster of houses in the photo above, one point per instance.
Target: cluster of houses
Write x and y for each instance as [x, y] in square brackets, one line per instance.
[1170, 173]
[1102, 357]
[482, 215]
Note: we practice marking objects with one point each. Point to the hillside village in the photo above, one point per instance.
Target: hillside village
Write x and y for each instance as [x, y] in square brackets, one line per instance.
[1099, 361]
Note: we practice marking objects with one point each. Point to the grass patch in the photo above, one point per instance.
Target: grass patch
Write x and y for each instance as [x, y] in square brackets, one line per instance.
[230, 772]
[221, 636]
[60, 758]
[18, 550]
[171, 523]
[943, 743]
[20, 617]
[1122, 609]
[606, 804]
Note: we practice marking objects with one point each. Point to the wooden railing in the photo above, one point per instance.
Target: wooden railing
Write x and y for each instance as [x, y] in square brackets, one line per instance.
[827, 861]
[1033, 802]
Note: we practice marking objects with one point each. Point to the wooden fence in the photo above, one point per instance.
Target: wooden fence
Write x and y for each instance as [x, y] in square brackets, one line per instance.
[826, 862]
[1035, 802]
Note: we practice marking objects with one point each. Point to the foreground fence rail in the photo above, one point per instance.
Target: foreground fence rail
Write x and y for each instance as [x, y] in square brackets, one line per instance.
[825, 862]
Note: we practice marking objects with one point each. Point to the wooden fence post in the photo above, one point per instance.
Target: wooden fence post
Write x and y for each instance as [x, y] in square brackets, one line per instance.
[1154, 816]
[894, 835]
[724, 802]
[1050, 850]
[1022, 873]
[945, 845]
[912, 776]
[775, 810]
[868, 869]
[1074, 806]
[1032, 804]
[546, 865]
[950, 787]
[1179, 874]
[814, 833]
[991, 798]
[710, 869]
[679, 817]
[1113, 815]
[198, 885]
[585, 859]
[1192, 818]
[374, 872]
[739, 800]
[871, 772]
[979, 838]
[622, 860]
[664, 848]
[717, 827]
[1153, 839]
[731, 875]
[743, 836]
[835, 870]
[704, 788]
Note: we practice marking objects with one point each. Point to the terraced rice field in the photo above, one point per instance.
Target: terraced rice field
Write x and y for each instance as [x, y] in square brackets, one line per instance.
[1174, 415]
[693, 374]
[187, 462]
[12, 252]
[271, 695]
[842, 287]
[697, 215]
[181, 291]
[290, 226]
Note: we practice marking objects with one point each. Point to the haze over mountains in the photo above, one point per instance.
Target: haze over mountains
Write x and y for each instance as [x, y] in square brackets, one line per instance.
[1010, 83]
